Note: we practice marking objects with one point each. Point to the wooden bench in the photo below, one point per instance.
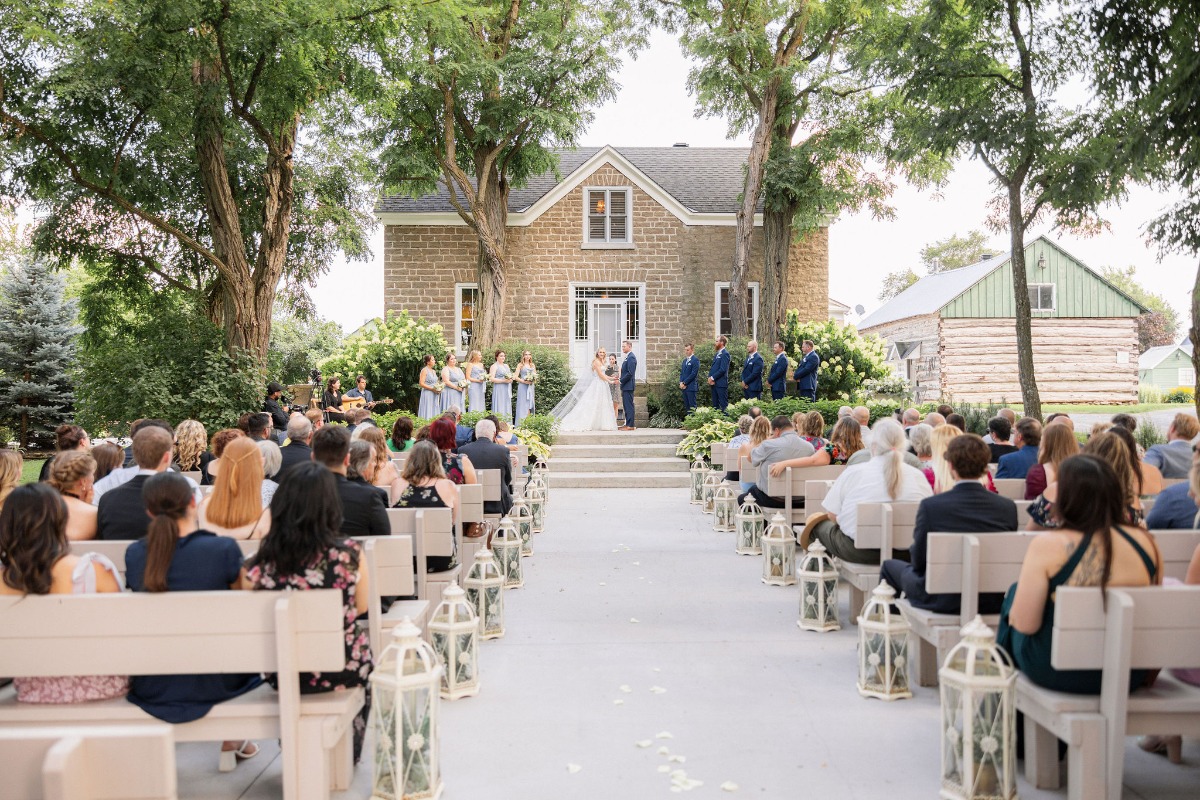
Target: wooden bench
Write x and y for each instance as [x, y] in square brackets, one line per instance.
[1023, 510]
[391, 573]
[716, 454]
[133, 762]
[792, 484]
[730, 460]
[887, 526]
[114, 549]
[195, 632]
[194, 474]
[489, 479]
[1012, 488]
[814, 495]
[1142, 628]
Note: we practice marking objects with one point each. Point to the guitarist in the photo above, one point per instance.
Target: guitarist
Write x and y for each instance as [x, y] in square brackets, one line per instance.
[360, 390]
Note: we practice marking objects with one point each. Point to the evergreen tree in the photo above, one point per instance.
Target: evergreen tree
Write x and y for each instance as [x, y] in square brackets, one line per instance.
[37, 347]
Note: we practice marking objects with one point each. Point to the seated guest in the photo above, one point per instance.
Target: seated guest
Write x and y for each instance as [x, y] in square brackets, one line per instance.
[305, 550]
[423, 484]
[191, 442]
[71, 475]
[383, 472]
[755, 412]
[297, 450]
[1057, 445]
[920, 442]
[1099, 427]
[760, 431]
[272, 462]
[457, 468]
[1174, 458]
[401, 440]
[1110, 448]
[1151, 478]
[1009, 416]
[999, 430]
[36, 558]
[1129, 422]
[965, 508]
[127, 473]
[1175, 507]
[1060, 418]
[220, 440]
[178, 556]
[958, 421]
[361, 468]
[845, 411]
[844, 443]
[885, 478]
[483, 453]
[945, 409]
[933, 419]
[863, 415]
[259, 426]
[234, 508]
[121, 513]
[363, 507]
[67, 438]
[504, 433]
[353, 417]
[783, 445]
[316, 417]
[811, 428]
[910, 419]
[108, 457]
[937, 470]
[1026, 439]
[11, 466]
[462, 433]
[743, 437]
[1091, 547]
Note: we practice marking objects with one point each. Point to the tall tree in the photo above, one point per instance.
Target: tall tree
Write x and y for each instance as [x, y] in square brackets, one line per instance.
[197, 144]
[1150, 64]
[476, 94]
[981, 78]
[1161, 324]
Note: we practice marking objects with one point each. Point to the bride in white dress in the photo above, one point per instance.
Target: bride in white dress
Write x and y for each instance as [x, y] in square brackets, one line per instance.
[588, 406]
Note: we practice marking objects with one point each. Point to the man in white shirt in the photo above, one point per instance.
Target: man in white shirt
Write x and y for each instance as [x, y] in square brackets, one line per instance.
[1009, 415]
[868, 483]
[123, 475]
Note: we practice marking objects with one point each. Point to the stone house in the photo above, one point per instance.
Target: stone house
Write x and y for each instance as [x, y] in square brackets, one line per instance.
[953, 334]
[630, 243]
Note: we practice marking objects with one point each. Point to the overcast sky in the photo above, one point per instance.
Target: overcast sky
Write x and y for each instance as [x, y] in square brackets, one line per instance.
[654, 109]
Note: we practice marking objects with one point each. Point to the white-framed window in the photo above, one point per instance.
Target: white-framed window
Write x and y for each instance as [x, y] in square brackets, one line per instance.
[1187, 376]
[721, 321]
[608, 217]
[1041, 296]
[466, 302]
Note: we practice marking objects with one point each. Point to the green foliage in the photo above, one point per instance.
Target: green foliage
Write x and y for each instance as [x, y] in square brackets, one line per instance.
[706, 415]
[663, 419]
[786, 406]
[545, 427]
[386, 421]
[1148, 435]
[1160, 326]
[37, 345]
[698, 443]
[555, 377]
[977, 415]
[954, 252]
[1180, 394]
[538, 448]
[298, 344]
[664, 395]
[389, 354]
[896, 282]
[1149, 393]
[847, 359]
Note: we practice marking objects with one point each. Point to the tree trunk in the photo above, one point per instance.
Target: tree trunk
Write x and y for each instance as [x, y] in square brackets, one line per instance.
[1016, 225]
[1194, 334]
[490, 213]
[777, 246]
[756, 163]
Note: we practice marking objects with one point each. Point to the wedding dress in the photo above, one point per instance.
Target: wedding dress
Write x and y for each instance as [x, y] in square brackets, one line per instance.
[588, 406]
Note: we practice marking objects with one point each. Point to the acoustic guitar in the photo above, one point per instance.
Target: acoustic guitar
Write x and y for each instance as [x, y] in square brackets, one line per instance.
[360, 402]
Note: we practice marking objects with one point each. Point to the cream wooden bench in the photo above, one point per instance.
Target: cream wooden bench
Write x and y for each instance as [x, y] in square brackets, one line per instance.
[1176, 548]
[133, 762]
[391, 573]
[792, 484]
[730, 461]
[887, 526]
[1012, 488]
[433, 534]
[114, 549]
[814, 494]
[716, 454]
[489, 479]
[194, 474]
[1023, 510]
[470, 498]
[196, 632]
[1143, 628]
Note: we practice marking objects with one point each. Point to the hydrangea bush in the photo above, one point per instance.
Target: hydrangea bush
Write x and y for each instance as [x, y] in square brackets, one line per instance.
[847, 359]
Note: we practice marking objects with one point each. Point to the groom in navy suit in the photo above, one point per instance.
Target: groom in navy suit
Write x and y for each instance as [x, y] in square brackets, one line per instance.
[688, 372]
[628, 374]
[777, 377]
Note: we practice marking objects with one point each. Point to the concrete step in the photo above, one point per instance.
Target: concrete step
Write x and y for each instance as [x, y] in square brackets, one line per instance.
[621, 480]
[559, 465]
[639, 436]
[614, 451]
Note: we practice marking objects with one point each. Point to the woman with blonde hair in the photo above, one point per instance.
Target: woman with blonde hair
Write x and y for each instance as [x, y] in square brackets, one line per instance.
[191, 440]
[423, 484]
[73, 475]
[1058, 444]
[384, 474]
[477, 376]
[760, 431]
[938, 471]
[11, 465]
[235, 507]
[811, 427]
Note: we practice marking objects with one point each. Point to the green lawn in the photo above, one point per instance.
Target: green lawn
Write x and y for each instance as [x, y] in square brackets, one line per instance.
[1136, 408]
[31, 469]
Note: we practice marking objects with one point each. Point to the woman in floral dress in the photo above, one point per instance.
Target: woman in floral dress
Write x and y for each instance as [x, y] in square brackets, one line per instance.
[305, 550]
[455, 382]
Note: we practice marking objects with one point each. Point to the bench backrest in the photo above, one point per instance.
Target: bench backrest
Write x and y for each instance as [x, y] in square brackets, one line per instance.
[114, 549]
[470, 499]
[888, 526]
[489, 479]
[716, 453]
[134, 762]
[194, 474]
[730, 462]
[1012, 488]
[791, 483]
[391, 572]
[1177, 548]
[814, 494]
[1160, 625]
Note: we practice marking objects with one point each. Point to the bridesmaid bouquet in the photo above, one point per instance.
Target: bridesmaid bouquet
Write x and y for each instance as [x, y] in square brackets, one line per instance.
[462, 385]
[437, 387]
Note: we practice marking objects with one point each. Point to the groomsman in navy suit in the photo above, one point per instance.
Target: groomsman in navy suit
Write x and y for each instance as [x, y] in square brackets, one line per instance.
[806, 373]
[628, 375]
[752, 372]
[777, 377]
[688, 373]
[718, 376]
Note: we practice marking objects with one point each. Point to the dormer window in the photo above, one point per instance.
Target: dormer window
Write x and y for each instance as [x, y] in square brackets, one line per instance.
[608, 218]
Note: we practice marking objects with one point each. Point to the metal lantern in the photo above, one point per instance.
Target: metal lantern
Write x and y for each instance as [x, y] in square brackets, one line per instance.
[818, 591]
[882, 648]
[711, 481]
[524, 523]
[698, 472]
[724, 507]
[484, 587]
[535, 496]
[779, 553]
[979, 721]
[538, 479]
[541, 468]
[404, 714]
[749, 523]
[454, 634]
[506, 547]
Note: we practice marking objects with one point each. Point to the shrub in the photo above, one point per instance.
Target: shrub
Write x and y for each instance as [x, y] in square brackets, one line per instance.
[977, 415]
[545, 426]
[537, 447]
[386, 421]
[1180, 394]
[702, 416]
[847, 359]
[1148, 435]
[663, 419]
[664, 394]
[699, 442]
[1148, 393]
[555, 377]
[389, 354]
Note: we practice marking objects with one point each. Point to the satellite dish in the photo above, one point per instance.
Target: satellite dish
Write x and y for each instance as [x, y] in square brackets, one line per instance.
[858, 309]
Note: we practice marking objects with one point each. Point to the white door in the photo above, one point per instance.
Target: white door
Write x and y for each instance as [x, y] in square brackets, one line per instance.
[608, 326]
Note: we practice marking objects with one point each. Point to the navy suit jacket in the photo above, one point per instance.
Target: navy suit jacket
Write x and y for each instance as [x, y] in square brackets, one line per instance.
[752, 373]
[1017, 465]
[689, 372]
[628, 372]
[719, 371]
[777, 377]
[806, 372]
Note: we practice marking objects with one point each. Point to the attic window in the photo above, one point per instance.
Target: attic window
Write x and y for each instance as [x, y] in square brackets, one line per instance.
[609, 218]
[1041, 297]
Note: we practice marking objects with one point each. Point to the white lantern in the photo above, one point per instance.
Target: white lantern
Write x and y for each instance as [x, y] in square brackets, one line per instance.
[724, 507]
[538, 479]
[404, 715]
[541, 468]
[454, 634]
[818, 591]
[506, 547]
[524, 523]
[749, 523]
[711, 481]
[979, 722]
[535, 496]
[698, 472]
[882, 648]
[779, 553]
[484, 586]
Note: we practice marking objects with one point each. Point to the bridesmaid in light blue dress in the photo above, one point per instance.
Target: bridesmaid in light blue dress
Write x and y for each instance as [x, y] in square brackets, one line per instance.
[431, 404]
[454, 379]
[502, 381]
[526, 374]
[477, 375]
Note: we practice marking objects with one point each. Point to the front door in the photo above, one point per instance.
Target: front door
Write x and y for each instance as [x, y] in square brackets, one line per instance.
[608, 326]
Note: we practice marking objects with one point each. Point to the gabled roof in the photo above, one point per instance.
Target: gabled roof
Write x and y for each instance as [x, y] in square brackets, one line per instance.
[929, 294]
[700, 185]
[1156, 355]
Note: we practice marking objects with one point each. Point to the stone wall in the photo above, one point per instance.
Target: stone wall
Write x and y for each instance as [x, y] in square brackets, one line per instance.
[677, 263]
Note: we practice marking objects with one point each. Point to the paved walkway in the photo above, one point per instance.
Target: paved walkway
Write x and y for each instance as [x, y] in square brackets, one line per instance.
[714, 665]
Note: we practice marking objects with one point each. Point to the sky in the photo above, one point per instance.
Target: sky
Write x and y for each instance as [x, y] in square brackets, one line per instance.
[653, 109]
